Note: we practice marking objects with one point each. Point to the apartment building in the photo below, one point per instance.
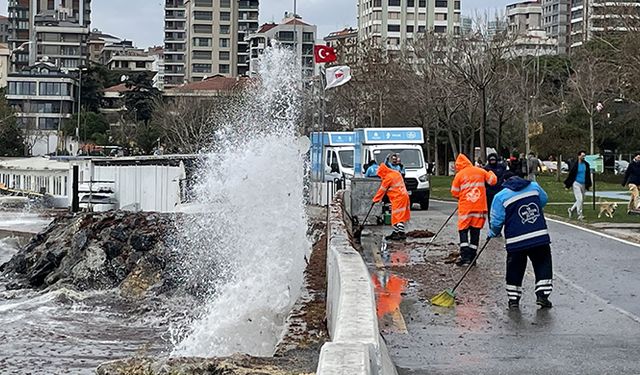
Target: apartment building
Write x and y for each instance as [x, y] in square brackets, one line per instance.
[292, 32]
[43, 96]
[207, 37]
[57, 29]
[397, 22]
[596, 17]
[557, 23]
[345, 42]
[524, 16]
[4, 29]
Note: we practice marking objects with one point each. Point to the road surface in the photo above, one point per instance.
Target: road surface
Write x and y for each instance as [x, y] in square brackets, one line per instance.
[593, 328]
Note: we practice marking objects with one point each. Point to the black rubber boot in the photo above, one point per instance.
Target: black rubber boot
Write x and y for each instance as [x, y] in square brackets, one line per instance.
[544, 302]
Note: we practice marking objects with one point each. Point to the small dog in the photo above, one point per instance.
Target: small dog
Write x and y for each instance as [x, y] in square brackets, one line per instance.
[634, 203]
[608, 209]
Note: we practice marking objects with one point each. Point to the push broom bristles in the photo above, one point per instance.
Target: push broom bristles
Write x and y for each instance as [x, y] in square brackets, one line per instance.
[444, 299]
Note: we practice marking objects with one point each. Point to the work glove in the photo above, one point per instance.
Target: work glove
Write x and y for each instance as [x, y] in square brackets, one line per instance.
[493, 234]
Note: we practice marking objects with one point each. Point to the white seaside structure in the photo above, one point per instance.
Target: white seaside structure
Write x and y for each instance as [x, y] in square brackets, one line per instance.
[144, 183]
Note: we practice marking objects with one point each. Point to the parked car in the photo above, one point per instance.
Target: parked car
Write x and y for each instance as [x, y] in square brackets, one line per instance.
[552, 167]
[620, 166]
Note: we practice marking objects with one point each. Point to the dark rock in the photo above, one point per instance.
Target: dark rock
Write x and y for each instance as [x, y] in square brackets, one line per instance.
[98, 251]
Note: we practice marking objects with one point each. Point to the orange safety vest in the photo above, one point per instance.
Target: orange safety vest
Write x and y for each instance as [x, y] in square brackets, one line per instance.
[469, 187]
[393, 186]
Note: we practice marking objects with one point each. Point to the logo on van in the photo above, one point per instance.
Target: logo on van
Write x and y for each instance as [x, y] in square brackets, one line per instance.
[411, 135]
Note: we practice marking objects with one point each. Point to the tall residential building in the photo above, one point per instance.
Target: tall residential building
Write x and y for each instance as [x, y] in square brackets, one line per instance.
[292, 33]
[556, 22]
[57, 29]
[496, 26]
[466, 25]
[396, 22]
[207, 37]
[4, 29]
[524, 16]
[593, 17]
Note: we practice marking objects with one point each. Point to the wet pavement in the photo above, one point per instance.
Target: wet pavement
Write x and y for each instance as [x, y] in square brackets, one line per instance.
[593, 328]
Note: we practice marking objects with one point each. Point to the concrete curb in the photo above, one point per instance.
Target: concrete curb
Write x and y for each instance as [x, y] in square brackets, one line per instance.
[356, 347]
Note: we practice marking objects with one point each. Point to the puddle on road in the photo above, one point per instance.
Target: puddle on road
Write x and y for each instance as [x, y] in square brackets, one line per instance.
[389, 290]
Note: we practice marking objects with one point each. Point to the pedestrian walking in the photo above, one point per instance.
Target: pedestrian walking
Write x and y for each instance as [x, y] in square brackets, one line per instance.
[393, 186]
[519, 209]
[534, 166]
[579, 180]
[499, 169]
[632, 178]
[469, 188]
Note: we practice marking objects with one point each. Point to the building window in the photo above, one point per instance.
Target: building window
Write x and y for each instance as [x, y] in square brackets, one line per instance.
[441, 4]
[48, 123]
[202, 15]
[53, 89]
[223, 68]
[22, 88]
[202, 29]
[422, 29]
[201, 68]
[286, 36]
[411, 3]
[441, 16]
[201, 55]
[202, 42]
[409, 28]
[224, 43]
[456, 5]
[422, 3]
[394, 15]
[225, 3]
[308, 37]
[224, 55]
[225, 29]
[394, 3]
[141, 64]
[440, 29]
[393, 28]
[225, 16]
[203, 3]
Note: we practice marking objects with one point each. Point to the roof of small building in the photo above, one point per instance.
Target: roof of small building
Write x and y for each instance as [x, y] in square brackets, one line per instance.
[266, 27]
[34, 163]
[122, 87]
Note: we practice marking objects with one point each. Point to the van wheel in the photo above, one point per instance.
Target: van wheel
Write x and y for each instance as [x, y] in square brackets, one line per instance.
[424, 203]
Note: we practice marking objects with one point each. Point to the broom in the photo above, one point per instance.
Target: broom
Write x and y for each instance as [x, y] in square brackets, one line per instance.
[448, 297]
[426, 250]
[358, 231]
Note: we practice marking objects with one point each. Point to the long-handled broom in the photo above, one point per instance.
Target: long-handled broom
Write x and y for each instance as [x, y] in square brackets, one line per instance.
[448, 297]
[358, 231]
[424, 253]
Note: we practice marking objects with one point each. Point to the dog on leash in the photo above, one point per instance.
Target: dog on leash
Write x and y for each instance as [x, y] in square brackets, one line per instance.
[634, 203]
[608, 209]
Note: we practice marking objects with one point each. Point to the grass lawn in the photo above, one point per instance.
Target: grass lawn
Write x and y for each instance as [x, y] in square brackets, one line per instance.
[560, 199]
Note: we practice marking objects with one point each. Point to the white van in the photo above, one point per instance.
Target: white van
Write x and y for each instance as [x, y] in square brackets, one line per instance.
[377, 143]
[333, 153]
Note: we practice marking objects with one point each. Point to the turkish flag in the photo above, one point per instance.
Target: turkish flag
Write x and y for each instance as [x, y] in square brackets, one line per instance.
[324, 54]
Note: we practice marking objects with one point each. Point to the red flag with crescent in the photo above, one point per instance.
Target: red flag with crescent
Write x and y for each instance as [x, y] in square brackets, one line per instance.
[324, 54]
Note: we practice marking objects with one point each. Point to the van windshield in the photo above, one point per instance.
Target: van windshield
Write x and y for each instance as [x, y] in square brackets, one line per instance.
[346, 157]
[410, 158]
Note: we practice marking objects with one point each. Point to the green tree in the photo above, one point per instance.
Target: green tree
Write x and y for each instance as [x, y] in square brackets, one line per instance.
[94, 128]
[11, 138]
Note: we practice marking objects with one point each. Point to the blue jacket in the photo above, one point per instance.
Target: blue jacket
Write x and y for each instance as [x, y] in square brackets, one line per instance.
[372, 171]
[519, 209]
[399, 168]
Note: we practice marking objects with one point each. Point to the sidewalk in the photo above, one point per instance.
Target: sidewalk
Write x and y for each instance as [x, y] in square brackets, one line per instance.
[594, 327]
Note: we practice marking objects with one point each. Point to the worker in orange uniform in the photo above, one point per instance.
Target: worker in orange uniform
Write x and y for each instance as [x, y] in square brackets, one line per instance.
[393, 186]
[469, 188]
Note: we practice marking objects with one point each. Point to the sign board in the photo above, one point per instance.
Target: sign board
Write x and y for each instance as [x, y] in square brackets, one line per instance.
[596, 162]
[393, 136]
[317, 156]
[336, 138]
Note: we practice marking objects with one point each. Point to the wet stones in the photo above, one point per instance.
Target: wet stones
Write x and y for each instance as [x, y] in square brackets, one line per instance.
[97, 251]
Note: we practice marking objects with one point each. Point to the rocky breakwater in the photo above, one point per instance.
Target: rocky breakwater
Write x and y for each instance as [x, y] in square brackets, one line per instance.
[98, 251]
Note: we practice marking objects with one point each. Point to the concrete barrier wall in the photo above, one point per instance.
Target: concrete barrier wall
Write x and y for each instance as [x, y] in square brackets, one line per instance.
[356, 346]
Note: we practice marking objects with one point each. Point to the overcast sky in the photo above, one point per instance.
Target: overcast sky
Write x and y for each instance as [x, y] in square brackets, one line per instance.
[142, 20]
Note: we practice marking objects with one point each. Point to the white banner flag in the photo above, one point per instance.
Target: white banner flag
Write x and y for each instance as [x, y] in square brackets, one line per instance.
[337, 76]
